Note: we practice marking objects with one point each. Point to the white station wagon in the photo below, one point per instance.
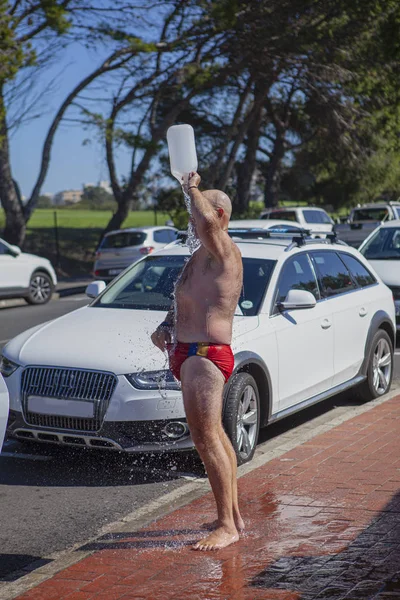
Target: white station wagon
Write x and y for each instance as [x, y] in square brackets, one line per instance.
[313, 320]
[24, 275]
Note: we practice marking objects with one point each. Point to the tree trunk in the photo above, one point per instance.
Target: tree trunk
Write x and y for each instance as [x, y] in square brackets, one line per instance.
[228, 136]
[15, 229]
[273, 174]
[123, 210]
[245, 170]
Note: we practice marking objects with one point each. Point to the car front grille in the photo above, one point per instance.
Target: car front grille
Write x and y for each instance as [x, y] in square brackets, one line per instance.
[59, 422]
[67, 384]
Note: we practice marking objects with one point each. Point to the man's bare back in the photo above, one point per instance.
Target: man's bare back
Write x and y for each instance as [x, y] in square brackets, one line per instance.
[206, 296]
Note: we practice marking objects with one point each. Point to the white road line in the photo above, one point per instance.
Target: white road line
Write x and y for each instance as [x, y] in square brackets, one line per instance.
[4, 341]
[24, 456]
[397, 353]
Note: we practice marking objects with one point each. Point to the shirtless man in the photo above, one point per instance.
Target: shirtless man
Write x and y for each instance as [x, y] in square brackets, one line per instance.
[207, 294]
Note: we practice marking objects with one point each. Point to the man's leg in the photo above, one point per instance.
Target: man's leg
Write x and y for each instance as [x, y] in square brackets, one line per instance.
[235, 502]
[202, 386]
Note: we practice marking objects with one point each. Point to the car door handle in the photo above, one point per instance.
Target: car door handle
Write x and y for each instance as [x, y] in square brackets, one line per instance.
[363, 312]
[326, 323]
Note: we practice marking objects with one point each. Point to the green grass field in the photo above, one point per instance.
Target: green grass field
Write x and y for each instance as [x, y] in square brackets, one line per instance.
[78, 235]
[43, 218]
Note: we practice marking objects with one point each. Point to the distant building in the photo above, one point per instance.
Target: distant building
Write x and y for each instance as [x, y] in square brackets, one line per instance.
[105, 185]
[67, 197]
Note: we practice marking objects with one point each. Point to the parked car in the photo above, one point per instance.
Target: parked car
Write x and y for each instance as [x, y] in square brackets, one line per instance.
[364, 219]
[4, 407]
[382, 250]
[121, 248]
[313, 319]
[309, 217]
[25, 275]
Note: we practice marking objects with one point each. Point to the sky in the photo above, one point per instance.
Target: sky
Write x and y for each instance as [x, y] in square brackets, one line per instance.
[72, 163]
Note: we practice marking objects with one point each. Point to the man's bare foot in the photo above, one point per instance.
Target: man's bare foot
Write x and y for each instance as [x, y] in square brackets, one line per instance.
[220, 538]
[240, 526]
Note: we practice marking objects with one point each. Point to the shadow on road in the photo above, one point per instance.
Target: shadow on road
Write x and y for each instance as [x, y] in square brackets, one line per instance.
[367, 568]
[66, 467]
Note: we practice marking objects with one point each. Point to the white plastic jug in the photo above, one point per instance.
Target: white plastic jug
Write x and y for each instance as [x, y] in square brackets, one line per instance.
[182, 151]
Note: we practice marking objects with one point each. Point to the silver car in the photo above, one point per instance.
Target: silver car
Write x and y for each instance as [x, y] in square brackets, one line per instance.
[121, 248]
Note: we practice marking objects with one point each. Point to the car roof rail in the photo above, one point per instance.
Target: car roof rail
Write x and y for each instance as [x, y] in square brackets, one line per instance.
[258, 233]
[297, 238]
[301, 240]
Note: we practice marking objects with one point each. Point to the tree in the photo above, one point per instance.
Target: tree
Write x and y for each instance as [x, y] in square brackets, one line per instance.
[311, 67]
[30, 31]
[44, 202]
[96, 198]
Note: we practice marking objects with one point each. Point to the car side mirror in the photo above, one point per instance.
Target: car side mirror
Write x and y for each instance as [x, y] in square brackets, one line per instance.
[297, 299]
[95, 288]
[15, 250]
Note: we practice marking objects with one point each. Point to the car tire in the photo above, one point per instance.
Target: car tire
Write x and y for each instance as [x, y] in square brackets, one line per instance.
[379, 368]
[241, 418]
[41, 288]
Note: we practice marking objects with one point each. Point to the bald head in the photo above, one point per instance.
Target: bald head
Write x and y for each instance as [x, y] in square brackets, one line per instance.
[220, 200]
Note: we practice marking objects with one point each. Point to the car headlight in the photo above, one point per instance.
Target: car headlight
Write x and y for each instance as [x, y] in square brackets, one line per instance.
[153, 380]
[7, 367]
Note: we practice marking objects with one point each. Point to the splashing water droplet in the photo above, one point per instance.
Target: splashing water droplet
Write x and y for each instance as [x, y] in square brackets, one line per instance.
[192, 241]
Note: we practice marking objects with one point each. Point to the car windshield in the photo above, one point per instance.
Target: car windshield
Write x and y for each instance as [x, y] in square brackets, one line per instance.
[383, 245]
[123, 240]
[316, 216]
[149, 284]
[369, 214]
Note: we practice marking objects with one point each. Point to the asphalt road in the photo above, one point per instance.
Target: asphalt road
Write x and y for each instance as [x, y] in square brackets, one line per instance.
[52, 498]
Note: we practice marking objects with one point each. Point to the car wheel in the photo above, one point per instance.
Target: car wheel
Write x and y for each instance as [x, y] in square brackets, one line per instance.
[380, 368]
[41, 288]
[241, 417]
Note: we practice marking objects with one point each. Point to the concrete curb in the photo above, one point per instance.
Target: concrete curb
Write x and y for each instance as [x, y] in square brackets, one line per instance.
[184, 495]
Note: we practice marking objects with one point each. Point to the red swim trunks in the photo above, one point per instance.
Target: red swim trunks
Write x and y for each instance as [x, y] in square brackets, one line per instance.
[221, 355]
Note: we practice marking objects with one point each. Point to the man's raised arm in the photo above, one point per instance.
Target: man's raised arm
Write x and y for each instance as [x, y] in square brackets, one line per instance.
[211, 211]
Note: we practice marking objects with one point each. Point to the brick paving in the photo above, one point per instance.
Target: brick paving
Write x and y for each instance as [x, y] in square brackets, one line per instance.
[323, 522]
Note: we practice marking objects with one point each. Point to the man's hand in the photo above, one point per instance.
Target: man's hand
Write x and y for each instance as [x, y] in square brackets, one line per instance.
[193, 181]
[160, 338]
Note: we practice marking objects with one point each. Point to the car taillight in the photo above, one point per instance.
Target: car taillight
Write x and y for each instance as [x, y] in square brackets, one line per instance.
[146, 250]
[96, 273]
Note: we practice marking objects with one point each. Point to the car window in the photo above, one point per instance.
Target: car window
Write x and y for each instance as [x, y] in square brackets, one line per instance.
[384, 244]
[316, 216]
[124, 239]
[162, 236]
[333, 276]
[370, 214]
[172, 234]
[149, 284]
[286, 215]
[4, 249]
[359, 272]
[297, 274]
